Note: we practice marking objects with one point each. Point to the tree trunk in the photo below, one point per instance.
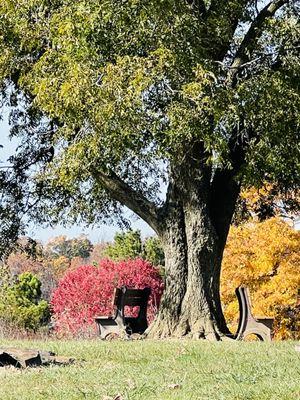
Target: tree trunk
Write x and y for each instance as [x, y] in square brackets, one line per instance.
[173, 238]
[201, 310]
[193, 247]
[191, 301]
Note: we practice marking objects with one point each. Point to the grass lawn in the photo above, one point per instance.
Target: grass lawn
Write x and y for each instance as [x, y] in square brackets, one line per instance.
[159, 370]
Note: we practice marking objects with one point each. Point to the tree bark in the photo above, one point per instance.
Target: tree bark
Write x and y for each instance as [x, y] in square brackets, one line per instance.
[201, 309]
[194, 245]
[175, 248]
[191, 304]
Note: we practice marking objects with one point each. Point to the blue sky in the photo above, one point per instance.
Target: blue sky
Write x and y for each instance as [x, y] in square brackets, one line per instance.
[102, 233]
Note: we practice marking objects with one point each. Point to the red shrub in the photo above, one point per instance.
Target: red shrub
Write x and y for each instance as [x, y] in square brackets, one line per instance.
[87, 291]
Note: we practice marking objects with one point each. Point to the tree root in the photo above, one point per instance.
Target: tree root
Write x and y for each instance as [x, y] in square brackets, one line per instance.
[203, 328]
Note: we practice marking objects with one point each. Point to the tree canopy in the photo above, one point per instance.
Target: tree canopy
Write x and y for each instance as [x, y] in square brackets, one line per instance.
[108, 95]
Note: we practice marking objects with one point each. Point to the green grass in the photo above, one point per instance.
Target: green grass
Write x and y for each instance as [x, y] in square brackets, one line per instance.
[159, 370]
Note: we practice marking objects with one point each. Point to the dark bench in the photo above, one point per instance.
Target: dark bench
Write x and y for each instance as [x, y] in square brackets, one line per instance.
[118, 323]
[248, 324]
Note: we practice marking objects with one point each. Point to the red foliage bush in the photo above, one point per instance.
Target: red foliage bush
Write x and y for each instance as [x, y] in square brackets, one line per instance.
[87, 291]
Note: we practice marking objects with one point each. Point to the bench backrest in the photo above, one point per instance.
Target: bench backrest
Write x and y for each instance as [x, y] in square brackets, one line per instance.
[242, 293]
[132, 298]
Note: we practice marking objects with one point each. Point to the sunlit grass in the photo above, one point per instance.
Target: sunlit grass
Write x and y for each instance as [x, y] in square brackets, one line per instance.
[161, 370]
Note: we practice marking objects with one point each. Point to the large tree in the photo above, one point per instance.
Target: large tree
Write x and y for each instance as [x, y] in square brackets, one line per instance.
[111, 99]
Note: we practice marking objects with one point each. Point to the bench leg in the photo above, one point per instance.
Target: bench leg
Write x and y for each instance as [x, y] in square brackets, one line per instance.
[263, 335]
[109, 325]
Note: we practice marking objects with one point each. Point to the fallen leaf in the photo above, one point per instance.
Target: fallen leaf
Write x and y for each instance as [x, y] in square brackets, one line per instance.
[174, 386]
[131, 384]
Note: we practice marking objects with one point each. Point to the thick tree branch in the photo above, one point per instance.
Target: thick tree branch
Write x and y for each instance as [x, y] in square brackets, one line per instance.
[224, 193]
[126, 195]
[244, 52]
[225, 187]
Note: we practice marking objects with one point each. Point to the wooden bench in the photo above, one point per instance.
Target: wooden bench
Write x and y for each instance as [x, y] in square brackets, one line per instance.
[118, 323]
[248, 324]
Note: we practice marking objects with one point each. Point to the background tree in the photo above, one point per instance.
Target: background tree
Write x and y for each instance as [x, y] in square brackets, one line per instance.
[153, 252]
[21, 303]
[126, 245]
[98, 253]
[129, 245]
[266, 257]
[61, 246]
[25, 258]
[111, 99]
[267, 202]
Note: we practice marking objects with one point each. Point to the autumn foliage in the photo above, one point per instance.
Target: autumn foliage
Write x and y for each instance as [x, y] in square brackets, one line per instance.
[269, 201]
[265, 257]
[87, 291]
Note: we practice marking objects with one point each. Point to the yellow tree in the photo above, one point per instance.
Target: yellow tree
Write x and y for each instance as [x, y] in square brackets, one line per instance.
[265, 256]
